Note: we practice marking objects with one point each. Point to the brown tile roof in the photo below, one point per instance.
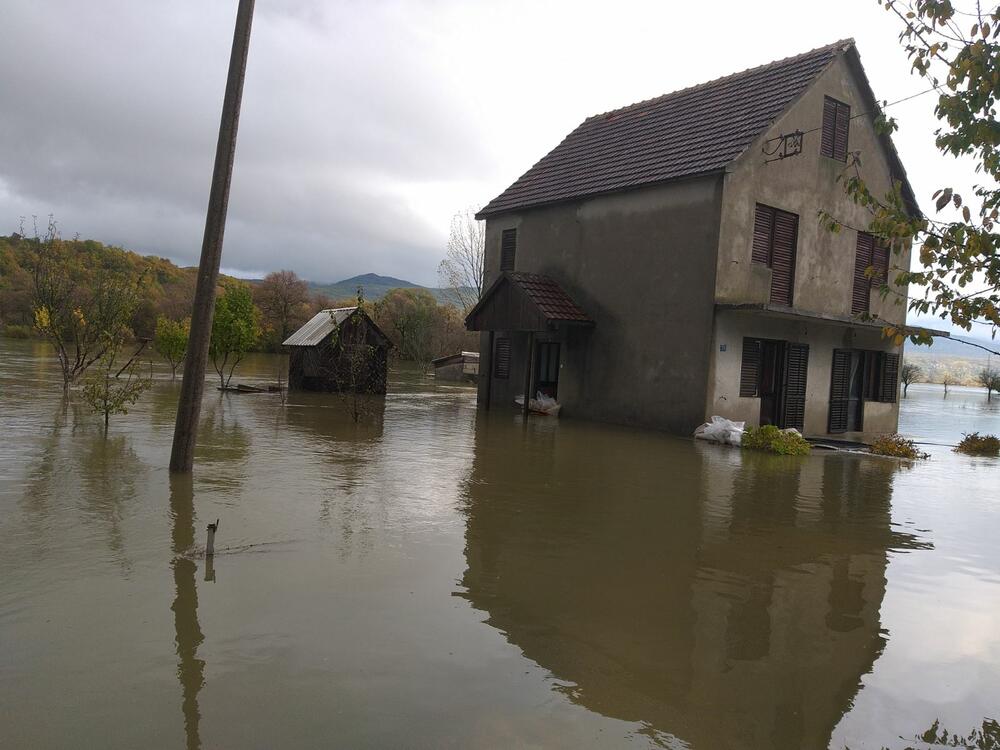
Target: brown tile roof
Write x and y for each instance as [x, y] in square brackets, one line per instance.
[693, 131]
[553, 302]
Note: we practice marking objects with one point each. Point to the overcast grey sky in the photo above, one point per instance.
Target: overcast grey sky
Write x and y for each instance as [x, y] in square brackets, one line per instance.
[365, 125]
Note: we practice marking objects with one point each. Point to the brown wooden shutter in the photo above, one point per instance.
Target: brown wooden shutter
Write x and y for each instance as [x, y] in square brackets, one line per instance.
[861, 294]
[840, 388]
[836, 129]
[750, 367]
[796, 370]
[890, 377]
[763, 226]
[508, 249]
[786, 230]
[501, 359]
[829, 126]
[880, 260]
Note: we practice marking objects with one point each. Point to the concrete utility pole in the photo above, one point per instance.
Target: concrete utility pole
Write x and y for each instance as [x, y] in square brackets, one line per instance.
[193, 384]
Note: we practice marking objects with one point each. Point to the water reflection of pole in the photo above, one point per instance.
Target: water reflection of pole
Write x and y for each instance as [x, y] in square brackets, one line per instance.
[187, 631]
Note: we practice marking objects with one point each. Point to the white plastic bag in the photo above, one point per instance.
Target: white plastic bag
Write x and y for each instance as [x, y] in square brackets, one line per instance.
[721, 430]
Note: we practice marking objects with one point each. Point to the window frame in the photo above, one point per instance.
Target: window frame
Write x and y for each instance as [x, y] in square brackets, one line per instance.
[835, 114]
[508, 249]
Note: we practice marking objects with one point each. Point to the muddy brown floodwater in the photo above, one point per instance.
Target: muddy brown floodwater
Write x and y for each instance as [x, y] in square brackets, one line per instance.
[438, 578]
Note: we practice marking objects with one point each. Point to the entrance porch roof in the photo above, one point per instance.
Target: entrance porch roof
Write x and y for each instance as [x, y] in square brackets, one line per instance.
[520, 301]
[791, 313]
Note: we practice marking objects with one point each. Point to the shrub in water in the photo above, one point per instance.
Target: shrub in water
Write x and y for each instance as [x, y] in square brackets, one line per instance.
[770, 438]
[979, 445]
[896, 446]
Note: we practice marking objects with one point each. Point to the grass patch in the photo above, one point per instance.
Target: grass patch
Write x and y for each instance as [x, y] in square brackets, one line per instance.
[770, 438]
[896, 446]
[975, 444]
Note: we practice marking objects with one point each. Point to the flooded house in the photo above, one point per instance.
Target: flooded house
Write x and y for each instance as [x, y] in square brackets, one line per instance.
[337, 350]
[665, 262]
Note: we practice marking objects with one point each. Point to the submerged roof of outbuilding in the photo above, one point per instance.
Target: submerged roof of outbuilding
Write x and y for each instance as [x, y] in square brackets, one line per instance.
[694, 131]
[319, 326]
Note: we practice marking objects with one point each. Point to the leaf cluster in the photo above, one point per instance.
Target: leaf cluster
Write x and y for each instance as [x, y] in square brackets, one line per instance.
[771, 438]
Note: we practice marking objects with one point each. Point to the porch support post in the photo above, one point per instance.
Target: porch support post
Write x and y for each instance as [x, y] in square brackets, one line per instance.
[489, 372]
[527, 373]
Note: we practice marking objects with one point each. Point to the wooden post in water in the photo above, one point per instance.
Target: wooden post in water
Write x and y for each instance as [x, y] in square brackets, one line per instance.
[210, 542]
[527, 374]
[193, 384]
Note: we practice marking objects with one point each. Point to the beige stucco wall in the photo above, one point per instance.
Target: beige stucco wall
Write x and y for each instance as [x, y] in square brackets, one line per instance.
[803, 185]
[724, 390]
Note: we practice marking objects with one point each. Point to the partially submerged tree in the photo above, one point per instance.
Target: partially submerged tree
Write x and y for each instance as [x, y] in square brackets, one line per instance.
[957, 53]
[283, 299]
[989, 379]
[909, 373]
[947, 380]
[81, 311]
[170, 341]
[105, 389]
[408, 318]
[356, 369]
[235, 330]
[461, 271]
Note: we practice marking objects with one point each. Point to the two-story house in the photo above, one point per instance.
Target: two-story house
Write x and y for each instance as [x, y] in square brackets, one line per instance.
[666, 262]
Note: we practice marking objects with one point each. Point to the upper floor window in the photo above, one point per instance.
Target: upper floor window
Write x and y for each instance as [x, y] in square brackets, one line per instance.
[836, 125]
[868, 253]
[775, 234]
[508, 249]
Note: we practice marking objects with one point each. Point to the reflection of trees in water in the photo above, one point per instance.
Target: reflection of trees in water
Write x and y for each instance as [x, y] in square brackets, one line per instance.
[187, 631]
[325, 428]
[77, 460]
[223, 446]
[726, 598]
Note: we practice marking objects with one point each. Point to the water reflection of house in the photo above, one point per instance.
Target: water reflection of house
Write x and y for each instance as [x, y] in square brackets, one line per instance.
[664, 262]
[734, 614]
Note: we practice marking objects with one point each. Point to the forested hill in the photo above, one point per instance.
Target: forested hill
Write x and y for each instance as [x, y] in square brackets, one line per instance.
[375, 287]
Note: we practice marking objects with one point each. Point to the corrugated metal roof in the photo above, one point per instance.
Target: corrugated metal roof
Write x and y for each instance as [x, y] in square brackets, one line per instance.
[694, 131]
[319, 327]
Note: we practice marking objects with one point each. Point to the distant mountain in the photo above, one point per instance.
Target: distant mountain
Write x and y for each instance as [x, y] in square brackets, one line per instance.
[375, 287]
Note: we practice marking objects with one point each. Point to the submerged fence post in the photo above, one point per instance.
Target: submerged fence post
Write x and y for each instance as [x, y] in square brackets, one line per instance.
[193, 383]
[210, 542]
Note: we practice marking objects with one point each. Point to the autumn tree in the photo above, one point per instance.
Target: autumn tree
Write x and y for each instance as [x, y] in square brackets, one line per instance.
[909, 373]
[235, 330]
[989, 379]
[80, 309]
[105, 388]
[461, 271]
[283, 299]
[957, 54]
[170, 341]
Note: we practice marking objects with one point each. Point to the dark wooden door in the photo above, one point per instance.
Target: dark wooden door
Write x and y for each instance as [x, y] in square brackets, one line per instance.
[847, 380]
[547, 368]
[856, 393]
[771, 380]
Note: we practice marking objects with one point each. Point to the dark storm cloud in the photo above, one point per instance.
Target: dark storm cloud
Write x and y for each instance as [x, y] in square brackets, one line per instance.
[109, 114]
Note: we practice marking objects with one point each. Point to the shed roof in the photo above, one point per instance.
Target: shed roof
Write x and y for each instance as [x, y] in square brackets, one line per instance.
[694, 131]
[319, 326]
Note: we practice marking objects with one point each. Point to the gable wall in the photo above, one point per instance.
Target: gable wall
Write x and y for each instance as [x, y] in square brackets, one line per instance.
[641, 264]
[804, 184]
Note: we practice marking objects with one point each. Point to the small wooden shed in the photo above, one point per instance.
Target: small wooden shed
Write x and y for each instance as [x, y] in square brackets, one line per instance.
[338, 350]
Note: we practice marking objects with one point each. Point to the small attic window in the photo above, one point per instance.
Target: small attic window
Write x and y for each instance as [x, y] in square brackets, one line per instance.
[836, 124]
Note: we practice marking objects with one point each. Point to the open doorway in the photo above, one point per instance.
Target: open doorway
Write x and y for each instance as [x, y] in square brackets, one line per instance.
[547, 368]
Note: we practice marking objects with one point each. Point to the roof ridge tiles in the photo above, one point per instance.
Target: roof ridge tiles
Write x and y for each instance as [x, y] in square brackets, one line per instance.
[843, 44]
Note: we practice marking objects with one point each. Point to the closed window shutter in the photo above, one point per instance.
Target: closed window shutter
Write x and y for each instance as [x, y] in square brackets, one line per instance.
[880, 260]
[501, 359]
[829, 126]
[750, 367]
[786, 230]
[861, 294]
[508, 249]
[839, 391]
[796, 370]
[763, 226]
[890, 377]
[836, 129]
